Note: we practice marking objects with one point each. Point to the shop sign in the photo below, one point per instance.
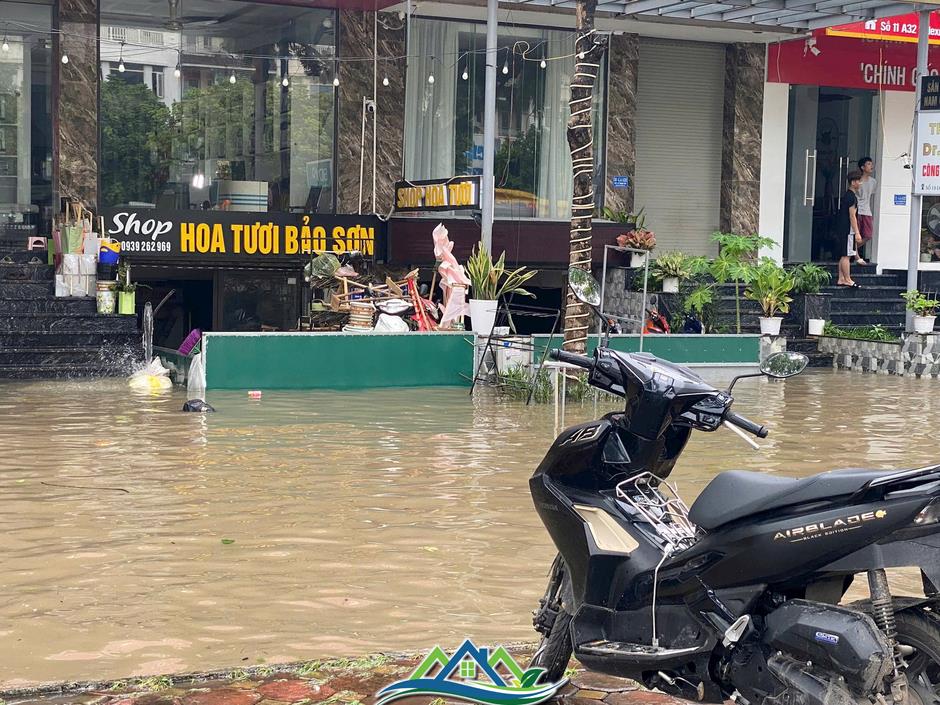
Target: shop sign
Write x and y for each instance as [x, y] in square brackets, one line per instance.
[901, 28]
[228, 235]
[900, 199]
[927, 155]
[930, 93]
[824, 60]
[620, 182]
[457, 193]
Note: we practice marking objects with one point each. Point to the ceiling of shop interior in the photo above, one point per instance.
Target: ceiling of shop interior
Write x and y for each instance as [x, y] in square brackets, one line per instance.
[750, 14]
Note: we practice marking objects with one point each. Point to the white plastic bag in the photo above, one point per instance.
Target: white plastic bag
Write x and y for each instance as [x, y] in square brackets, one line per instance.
[152, 377]
[196, 380]
[390, 324]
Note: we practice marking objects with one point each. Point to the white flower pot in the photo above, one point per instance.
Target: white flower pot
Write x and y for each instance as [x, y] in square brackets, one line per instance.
[670, 285]
[638, 259]
[770, 326]
[815, 326]
[924, 324]
[482, 315]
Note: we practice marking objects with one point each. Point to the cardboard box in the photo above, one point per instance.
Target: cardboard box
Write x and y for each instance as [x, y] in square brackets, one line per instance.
[71, 265]
[88, 265]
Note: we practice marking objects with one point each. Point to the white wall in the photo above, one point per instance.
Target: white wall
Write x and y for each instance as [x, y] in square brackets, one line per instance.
[773, 166]
[892, 225]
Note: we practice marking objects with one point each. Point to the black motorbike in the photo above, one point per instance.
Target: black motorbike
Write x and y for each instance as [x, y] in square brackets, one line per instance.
[741, 596]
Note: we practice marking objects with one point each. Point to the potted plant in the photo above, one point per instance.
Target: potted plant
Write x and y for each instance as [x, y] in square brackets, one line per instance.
[735, 263]
[126, 290]
[814, 307]
[698, 301]
[770, 286]
[489, 281]
[671, 268]
[633, 221]
[638, 239]
[925, 310]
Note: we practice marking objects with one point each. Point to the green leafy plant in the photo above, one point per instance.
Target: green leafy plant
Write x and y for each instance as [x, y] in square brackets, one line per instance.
[735, 262]
[875, 333]
[770, 286]
[491, 280]
[697, 301]
[673, 264]
[638, 218]
[919, 303]
[809, 278]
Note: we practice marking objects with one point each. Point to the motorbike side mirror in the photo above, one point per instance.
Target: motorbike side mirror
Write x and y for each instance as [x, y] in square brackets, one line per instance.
[584, 287]
[784, 364]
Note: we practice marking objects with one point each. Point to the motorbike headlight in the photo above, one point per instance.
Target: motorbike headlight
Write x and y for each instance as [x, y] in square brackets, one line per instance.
[929, 514]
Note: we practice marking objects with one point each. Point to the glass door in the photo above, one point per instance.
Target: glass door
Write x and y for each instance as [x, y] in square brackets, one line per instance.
[830, 129]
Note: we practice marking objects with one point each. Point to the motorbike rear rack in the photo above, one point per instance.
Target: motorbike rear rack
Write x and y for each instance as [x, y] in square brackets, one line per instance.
[658, 502]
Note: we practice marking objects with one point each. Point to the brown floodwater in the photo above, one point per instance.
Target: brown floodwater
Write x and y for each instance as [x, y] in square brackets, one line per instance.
[136, 539]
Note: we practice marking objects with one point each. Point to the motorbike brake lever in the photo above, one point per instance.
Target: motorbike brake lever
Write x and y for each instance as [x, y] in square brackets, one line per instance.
[754, 444]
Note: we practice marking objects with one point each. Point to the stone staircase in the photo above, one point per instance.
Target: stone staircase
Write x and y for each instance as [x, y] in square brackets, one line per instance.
[44, 337]
[878, 302]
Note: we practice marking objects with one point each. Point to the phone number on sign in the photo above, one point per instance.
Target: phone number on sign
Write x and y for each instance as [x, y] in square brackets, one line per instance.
[146, 246]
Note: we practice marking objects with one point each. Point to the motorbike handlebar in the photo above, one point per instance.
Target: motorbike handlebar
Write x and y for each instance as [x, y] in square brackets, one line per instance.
[746, 424]
[572, 358]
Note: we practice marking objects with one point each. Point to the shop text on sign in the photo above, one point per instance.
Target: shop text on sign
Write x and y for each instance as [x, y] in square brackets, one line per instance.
[457, 193]
[224, 235]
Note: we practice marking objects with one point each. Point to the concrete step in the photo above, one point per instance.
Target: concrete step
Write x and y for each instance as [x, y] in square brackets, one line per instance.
[879, 291]
[54, 322]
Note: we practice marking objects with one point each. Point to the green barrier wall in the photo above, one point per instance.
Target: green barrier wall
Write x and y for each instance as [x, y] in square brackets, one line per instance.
[336, 360]
[685, 349]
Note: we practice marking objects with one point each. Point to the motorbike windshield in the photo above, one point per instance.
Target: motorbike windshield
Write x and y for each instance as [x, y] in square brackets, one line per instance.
[684, 382]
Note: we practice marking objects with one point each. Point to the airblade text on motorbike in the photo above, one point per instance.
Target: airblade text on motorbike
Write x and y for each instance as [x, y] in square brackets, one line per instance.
[825, 528]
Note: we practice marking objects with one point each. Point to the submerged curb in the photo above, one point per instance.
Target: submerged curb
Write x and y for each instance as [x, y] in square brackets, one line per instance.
[334, 682]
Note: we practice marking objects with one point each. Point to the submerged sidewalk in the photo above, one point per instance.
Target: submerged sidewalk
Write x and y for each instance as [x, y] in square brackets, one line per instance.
[340, 682]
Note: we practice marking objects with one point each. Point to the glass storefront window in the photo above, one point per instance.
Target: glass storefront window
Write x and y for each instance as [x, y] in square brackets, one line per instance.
[26, 117]
[256, 301]
[444, 130]
[228, 106]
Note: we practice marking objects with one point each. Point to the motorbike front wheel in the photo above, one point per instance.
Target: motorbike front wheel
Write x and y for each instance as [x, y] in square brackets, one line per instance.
[554, 651]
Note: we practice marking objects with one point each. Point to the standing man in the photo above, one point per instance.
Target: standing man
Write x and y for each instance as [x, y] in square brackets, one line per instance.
[847, 230]
[866, 193]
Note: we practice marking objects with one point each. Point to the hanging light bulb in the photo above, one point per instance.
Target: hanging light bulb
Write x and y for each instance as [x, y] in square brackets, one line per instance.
[385, 81]
[65, 58]
[581, 55]
[285, 82]
[121, 68]
[178, 71]
[431, 78]
[6, 45]
[465, 76]
[232, 79]
[336, 82]
[543, 64]
[505, 68]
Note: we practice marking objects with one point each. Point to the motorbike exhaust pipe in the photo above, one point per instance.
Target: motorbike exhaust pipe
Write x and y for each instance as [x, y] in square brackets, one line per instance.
[815, 691]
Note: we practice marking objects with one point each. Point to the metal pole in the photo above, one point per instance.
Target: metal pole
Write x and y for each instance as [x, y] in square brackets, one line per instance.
[913, 252]
[489, 128]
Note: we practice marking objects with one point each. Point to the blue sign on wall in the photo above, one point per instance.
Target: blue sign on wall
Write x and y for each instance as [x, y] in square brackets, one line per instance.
[900, 199]
[620, 182]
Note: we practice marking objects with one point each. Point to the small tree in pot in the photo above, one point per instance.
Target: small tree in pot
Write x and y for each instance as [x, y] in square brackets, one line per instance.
[812, 307]
[489, 281]
[672, 268]
[770, 286]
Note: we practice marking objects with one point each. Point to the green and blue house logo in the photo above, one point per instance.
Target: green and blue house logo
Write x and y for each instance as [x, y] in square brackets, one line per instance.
[475, 675]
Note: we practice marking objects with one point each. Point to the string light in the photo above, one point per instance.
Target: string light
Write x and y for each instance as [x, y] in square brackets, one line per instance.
[431, 78]
[581, 55]
[543, 64]
[336, 82]
[178, 71]
[505, 67]
[65, 58]
[385, 81]
[6, 45]
[285, 82]
[232, 79]
[465, 76]
[121, 67]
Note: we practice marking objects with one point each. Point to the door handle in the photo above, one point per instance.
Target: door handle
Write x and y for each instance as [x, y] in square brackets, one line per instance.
[809, 183]
[839, 183]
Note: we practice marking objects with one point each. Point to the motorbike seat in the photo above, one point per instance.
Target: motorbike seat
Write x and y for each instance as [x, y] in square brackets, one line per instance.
[737, 494]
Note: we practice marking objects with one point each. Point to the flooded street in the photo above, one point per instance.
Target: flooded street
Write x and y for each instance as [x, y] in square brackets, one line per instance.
[136, 539]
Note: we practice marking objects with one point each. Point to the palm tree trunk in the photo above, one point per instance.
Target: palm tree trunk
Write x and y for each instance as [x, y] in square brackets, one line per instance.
[589, 50]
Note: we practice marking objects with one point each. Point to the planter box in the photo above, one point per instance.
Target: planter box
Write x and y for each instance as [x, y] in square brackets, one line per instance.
[864, 355]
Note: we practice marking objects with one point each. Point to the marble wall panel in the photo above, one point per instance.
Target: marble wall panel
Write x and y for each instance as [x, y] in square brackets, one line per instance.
[623, 63]
[356, 34]
[741, 149]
